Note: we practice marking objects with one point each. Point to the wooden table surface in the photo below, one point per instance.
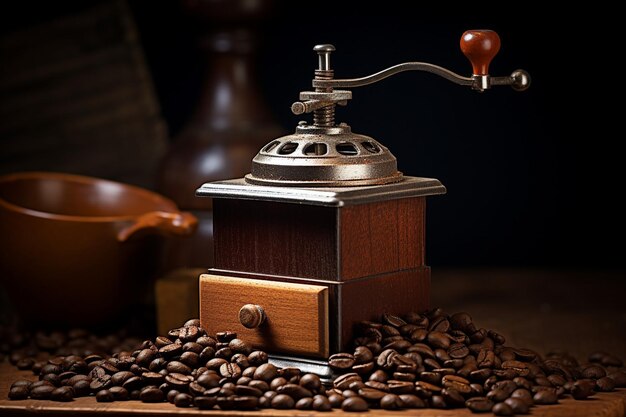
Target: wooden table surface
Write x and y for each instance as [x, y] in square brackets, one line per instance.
[574, 311]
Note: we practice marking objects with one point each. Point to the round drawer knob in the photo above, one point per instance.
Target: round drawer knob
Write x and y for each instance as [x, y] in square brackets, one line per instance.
[251, 316]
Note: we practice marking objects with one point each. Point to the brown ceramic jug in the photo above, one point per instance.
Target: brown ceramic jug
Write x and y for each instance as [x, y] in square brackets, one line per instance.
[76, 250]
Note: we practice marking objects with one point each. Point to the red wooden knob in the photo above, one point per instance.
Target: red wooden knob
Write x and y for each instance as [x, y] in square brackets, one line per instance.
[480, 47]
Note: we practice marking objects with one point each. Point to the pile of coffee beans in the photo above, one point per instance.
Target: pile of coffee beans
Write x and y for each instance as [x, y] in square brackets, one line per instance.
[444, 361]
[187, 367]
[416, 361]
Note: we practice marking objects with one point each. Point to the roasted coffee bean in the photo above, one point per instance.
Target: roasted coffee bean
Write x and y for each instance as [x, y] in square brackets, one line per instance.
[277, 382]
[520, 368]
[497, 395]
[545, 396]
[362, 355]
[171, 350]
[321, 403]
[341, 361]
[438, 339]
[479, 404]
[100, 383]
[605, 384]
[371, 394]
[502, 409]
[557, 380]
[245, 402]
[171, 395]
[151, 394]
[104, 396]
[437, 401]
[205, 403]
[19, 392]
[63, 394]
[207, 354]
[215, 364]
[81, 388]
[518, 405]
[189, 334]
[311, 382]
[257, 358]
[239, 346]
[343, 382]
[304, 403]
[183, 400]
[400, 387]
[145, 356]
[178, 381]
[25, 363]
[266, 372]
[355, 404]
[230, 370]
[452, 397]
[619, 377]
[260, 385]
[523, 394]
[458, 350]
[462, 321]
[380, 386]
[119, 393]
[282, 402]
[133, 383]
[294, 391]
[391, 402]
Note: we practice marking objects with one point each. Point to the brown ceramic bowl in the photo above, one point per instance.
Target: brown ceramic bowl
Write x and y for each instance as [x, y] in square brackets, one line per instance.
[77, 250]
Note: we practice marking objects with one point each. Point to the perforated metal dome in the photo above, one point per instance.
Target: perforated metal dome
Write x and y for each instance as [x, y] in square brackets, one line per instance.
[324, 157]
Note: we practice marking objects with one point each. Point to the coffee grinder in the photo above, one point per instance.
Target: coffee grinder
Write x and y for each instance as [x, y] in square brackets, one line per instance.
[325, 231]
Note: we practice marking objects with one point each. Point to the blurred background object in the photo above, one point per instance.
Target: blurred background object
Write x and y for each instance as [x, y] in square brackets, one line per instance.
[230, 121]
[76, 95]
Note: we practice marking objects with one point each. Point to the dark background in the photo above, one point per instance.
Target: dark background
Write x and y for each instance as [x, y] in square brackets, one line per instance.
[533, 178]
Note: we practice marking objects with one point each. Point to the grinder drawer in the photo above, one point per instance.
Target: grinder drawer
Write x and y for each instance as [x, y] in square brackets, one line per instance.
[295, 316]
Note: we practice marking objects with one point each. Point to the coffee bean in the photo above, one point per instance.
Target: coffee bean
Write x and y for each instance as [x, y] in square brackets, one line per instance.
[25, 363]
[400, 387]
[63, 394]
[321, 403]
[304, 403]
[479, 404]
[520, 368]
[363, 355]
[215, 363]
[239, 346]
[19, 392]
[619, 377]
[151, 394]
[119, 393]
[545, 396]
[437, 401]
[343, 382]
[294, 391]
[355, 404]
[81, 388]
[205, 403]
[438, 339]
[104, 396]
[502, 409]
[245, 402]
[189, 334]
[282, 402]
[605, 384]
[230, 370]
[462, 321]
[257, 358]
[523, 394]
[183, 400]
[411, 401]
[458, 350]
[260, 385]
[266, 372]
[311, 382]
[341, 361]
[518, 405]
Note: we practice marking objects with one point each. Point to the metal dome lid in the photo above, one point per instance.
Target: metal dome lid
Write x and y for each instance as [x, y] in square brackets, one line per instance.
[324, 157]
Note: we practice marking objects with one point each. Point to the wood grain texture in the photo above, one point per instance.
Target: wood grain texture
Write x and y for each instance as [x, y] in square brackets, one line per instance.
[381, 237]
[296, 314]
[398, 293]
[275, 238]
[603, 405]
